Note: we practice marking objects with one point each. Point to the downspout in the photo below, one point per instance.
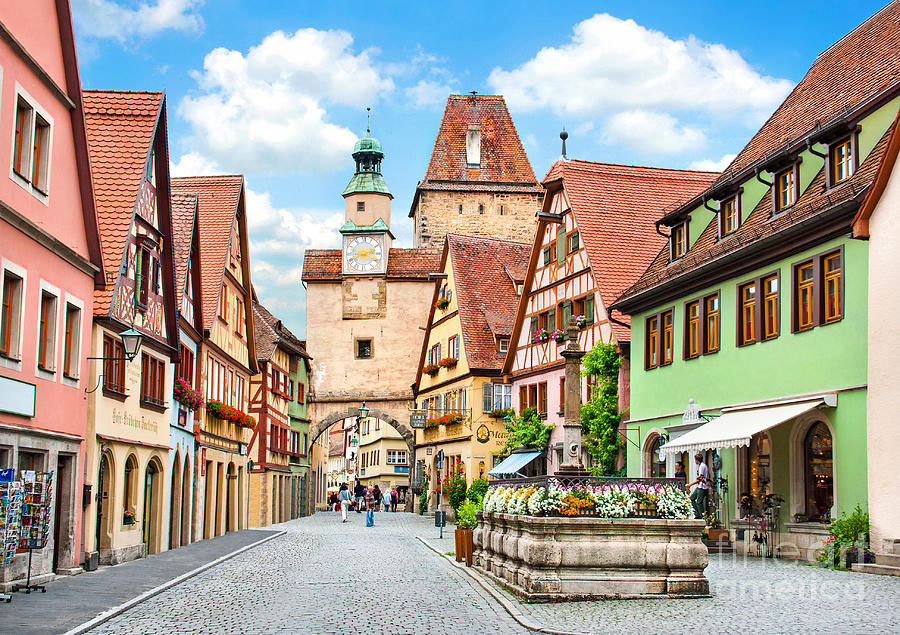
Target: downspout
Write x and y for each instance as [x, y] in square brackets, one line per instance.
[657, 224]
[706, 205]
[760, 179]
[809, 147]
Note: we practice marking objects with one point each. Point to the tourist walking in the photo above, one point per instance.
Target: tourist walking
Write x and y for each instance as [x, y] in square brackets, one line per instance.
[394, 496]
[358, 493]
[387, 500]
[377, 495]
[701, 493]
[344, 498]
[369, 497]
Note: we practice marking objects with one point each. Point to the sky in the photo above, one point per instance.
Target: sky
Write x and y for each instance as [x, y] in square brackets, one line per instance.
[278, 91]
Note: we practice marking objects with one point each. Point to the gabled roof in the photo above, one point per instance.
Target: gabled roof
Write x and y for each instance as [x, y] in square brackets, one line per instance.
[615, 207]
[324, 265]
[270, 332]
[485, 295]
[885, 170]
[184, 210]
[120, 128]
[217, 200]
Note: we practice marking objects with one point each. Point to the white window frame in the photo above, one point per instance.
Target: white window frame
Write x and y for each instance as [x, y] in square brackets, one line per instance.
[502, 397]
[14, 362]
[25, 183]
[72, 380]
[53, 344]
[397, 457]
[503, 344]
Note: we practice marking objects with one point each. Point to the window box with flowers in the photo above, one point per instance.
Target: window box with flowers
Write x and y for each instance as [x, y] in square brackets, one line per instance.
[581, 321]
[227, 413]
[128, 517]
[448, 362]
[502, 413]
[442, 304]
[185, 395]
[431, 369]
[448, 419]
[541, 335]
[559, 335]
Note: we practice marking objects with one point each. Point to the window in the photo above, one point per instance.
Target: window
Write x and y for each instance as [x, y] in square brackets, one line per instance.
[542, 398]
[434, 354]
[562, 395]
[657, 468]
[185, 368]
[770, 299]
[11, 315]
[453, 347]
[711, 322]
[363, 349]
[679, 241]
[747, 315]
[301, 392]
[503, 210]
[523, 398]
[130, 498]
[502, 396]
[818, 458]
[547, 320]
[842, 161]
[360, 206]
[729, 216]
[72, 341]
[818, 296]
[701, 326]
[503, 344]
[141, 276]
[574, 242]
[758, 310]
[459, 209]
[659, 339]
[785, 188]
[31, 146]
[396, 457]
[223, 304]
[652, 343]
[153, 377]
[47, 335]
[239, 316]
[668, 340]
[113, 369]
[692, 329]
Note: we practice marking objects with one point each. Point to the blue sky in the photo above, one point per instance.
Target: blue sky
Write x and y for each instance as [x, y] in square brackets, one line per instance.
[278, 90]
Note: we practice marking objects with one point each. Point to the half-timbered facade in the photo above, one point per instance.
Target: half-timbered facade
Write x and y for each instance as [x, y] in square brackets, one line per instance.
[275, 445]
[592, 241]
[458, 382]
[227, 355]
[128, 424]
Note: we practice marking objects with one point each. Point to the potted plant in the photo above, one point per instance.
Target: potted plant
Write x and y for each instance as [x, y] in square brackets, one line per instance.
[442, 303]
[431, 369]
[466, 521]
[559, 335]
[128, 517]
[541, 335]
[185, 395]
[448, 362]
[502, 413]
[581, 321]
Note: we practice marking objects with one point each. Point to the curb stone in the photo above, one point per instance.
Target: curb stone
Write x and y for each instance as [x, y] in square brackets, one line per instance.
[505, 602]
[165, 586]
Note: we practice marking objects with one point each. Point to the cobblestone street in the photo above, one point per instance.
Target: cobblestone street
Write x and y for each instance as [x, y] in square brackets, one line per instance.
[326, 577]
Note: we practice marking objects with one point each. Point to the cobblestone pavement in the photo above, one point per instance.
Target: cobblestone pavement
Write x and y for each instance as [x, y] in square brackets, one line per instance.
[750, 596]
[323, 576]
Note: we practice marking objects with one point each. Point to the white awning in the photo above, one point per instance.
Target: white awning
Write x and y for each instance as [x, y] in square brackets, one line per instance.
[735, 427]
[513, 463]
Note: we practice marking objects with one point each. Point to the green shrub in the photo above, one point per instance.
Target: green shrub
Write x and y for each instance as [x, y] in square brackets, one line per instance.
[465, 516]
[456, 487]
[851, 528]
[477, 490]
[423, 498]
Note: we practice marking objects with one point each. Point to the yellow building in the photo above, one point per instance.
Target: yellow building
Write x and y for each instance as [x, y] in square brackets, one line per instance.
[383, 457]
[459, 382]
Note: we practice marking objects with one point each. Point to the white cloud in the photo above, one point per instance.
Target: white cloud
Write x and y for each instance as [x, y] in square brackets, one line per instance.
[265, 112]
[613, 65]
[108, 19]
[651, 132]
[711, 165]
[193, 164]
[428, 93]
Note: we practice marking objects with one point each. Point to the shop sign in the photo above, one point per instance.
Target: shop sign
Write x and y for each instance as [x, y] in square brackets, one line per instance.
[417, 419]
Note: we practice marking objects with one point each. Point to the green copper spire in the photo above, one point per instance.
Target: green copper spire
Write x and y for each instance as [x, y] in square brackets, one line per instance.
[368, 154]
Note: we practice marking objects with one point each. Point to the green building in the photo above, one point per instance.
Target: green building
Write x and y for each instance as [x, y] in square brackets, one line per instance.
[749, 330]
[298, 375]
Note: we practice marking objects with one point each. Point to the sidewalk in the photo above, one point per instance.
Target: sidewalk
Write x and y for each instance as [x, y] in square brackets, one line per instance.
[73, 600]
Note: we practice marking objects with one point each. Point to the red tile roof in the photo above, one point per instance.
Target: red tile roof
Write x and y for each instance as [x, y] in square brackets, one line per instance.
[322, 265]
[217, 201]
[615, 207]
[184, 207]
[120, 127]
[859, 66]
[485, 295]
[270, 332]
[503, 159]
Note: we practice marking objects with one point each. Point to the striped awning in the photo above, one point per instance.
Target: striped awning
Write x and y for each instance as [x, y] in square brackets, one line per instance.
[513, 463]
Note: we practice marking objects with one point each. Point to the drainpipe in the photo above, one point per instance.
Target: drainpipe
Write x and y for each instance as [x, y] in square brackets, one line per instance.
[657, 224]
[762, 180]
[809, 147]
[706, 205]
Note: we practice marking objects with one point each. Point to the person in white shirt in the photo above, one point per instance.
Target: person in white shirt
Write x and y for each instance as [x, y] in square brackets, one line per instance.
[344, 500]
[701, 492]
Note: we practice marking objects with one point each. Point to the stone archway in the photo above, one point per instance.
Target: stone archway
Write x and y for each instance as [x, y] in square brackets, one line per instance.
[408, 435]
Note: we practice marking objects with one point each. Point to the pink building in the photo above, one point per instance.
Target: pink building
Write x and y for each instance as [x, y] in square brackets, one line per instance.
[594, 239]
[49, 256]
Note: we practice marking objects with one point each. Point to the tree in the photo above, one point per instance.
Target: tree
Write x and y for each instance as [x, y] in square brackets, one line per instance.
[600, 416]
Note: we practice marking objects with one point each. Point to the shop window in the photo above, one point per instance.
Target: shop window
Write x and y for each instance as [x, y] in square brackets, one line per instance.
[129, 501]
[72, 341]
[655, 467]
[11, 315]
[46, 359]
[818, 294]
[818, 460]
[31, 461]
[757, 475]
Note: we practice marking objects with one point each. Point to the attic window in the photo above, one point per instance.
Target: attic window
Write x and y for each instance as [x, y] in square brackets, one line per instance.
[678, 242]
[503, 344]
[473, 148]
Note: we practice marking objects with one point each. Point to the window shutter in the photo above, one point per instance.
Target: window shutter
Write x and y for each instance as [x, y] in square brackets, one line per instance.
[561, 246]
[589, 308]
[487, 397]
[534, 324]
[551, 321]
[546, 256]
[567, 313]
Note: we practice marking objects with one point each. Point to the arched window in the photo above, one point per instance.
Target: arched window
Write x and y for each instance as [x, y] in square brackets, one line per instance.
[818, 462]
[655, 467]
[131, 479]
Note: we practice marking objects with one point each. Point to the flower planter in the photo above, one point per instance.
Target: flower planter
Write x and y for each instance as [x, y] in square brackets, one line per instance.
[717, 534]
[465, 546]
[552, 559]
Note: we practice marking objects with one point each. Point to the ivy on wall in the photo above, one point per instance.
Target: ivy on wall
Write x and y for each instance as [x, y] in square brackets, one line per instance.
[600, 416]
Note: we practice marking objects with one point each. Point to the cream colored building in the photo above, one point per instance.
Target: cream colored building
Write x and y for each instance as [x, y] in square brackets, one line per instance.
[383, 457]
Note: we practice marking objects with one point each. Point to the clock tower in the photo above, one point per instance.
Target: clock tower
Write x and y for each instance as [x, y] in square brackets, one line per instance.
[367, 210]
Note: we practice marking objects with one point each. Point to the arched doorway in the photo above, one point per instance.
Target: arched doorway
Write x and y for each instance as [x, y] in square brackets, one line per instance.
[230, 499]
[150, 529]
[105, 487]
[818, 464]
[656, 468]
[186, 502]
[175, 505]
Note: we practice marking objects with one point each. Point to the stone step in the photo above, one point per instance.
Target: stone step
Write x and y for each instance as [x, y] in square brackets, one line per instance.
[880, 569]
[887, 559]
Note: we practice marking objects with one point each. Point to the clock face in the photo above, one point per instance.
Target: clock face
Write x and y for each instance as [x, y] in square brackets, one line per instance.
[364, 254]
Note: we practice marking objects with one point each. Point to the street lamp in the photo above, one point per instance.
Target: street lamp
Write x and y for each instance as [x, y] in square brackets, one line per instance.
[131, 342]
[363, 411]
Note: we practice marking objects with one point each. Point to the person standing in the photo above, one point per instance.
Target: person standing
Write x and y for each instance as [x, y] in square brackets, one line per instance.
[358, 493]
[369, 498]
[387, 500]
[377, 495]
[679, 470]
[344, 499]
[394, 496]
[701, 493]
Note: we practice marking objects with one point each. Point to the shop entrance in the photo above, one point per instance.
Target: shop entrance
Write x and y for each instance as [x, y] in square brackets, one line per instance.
[104, 513]
[152, 502]
[62, 527]
[175, 505]
[186, 503]
[230, 497]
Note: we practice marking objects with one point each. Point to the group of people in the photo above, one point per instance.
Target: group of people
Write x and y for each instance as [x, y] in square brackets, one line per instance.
[371, 499]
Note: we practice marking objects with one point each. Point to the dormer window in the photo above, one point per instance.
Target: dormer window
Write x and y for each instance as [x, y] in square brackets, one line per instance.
[473, 148]
[785, 188]
[729, 216]
[503, 344]
[678, 242]
[841, 161]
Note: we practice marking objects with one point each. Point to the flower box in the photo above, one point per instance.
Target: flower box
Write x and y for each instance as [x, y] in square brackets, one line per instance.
[185, 395]
[431, 369]
[540, 336]
[128, 518]
[227, 413]
[559, 335]
[502, 413]
[442, 304]
[581, 321]
[448, 362]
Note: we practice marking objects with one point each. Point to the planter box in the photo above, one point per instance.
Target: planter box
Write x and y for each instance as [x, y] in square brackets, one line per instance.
[717, 535]
[544, 559]
[465, 546]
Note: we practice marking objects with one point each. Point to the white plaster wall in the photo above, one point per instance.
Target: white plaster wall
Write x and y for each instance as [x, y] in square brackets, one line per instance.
[883, 427]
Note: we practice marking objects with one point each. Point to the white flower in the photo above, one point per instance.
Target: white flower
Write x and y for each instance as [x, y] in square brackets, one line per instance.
[674, 503]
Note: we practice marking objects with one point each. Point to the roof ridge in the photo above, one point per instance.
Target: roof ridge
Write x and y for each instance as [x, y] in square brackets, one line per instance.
[488, 239]
[113, 91]
[207, 176]
[640, 167]
[854, 29]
